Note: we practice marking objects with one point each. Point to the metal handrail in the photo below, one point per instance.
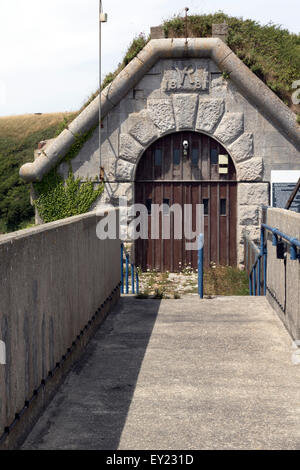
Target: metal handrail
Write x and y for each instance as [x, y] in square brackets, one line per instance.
[255, 273]
[134, 273]
[294, 242]
[200, 265]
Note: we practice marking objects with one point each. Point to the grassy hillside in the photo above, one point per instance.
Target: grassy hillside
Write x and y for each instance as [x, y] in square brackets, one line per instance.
[19, 136]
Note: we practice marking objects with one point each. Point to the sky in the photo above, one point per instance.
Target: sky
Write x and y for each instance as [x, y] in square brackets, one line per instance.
[49, 49]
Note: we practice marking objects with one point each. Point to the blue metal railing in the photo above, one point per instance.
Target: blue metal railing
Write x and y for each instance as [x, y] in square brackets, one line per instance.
[129, 268]
[294, 242]
[255, 283]
[200, 264]
[258, 272]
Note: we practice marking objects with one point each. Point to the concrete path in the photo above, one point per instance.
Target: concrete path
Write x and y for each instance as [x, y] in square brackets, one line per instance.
[180, 374]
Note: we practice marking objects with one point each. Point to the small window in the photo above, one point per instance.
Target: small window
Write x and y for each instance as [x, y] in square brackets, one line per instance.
[176, 157]
[149, 205]
[158, 157]
[166, 208]
[214, 156]
[195, 156]
[205, 203]
[223, 207]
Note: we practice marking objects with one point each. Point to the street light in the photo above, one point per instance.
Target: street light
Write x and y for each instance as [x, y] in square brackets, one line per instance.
[102, 19]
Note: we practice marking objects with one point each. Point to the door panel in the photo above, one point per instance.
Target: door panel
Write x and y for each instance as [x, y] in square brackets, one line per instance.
[166, 175]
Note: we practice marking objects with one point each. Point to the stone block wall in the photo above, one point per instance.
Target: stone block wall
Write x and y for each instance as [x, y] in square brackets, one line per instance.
[189, 94]
[251, 198]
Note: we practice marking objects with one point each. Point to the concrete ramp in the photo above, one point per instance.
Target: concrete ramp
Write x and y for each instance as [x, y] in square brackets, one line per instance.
[180, 374]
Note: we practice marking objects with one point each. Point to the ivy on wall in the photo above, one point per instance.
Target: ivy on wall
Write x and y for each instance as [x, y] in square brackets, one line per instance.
[58, 199]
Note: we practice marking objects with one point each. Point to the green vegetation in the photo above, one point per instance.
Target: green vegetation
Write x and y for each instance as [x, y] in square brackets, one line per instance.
[271, 52]
[134, 48]
[59, 199]
[19, 136]
[218, 280]
[225, 280]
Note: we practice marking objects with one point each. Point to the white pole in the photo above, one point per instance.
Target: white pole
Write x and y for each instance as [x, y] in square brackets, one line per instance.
[100, 23]
[102, 19]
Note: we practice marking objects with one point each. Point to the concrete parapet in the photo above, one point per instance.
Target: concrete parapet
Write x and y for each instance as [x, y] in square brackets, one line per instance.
[283, 279]
[58, 281]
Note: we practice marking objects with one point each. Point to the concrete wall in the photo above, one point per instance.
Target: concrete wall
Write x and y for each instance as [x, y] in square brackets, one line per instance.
[53, 280]
[283, 279]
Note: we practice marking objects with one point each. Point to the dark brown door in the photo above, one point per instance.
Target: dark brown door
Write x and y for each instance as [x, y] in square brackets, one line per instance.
[170, 174]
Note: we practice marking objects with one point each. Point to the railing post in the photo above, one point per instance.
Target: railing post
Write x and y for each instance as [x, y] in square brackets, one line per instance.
[259, 276]
[254, 281]
[200, 264]
[127, 274]
[132, 278]
[137, 282]
[293, 252]
[250, 283]
[263, 252]
[122, 266]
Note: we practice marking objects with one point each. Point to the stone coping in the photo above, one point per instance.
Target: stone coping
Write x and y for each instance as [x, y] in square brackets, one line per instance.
[11, 237]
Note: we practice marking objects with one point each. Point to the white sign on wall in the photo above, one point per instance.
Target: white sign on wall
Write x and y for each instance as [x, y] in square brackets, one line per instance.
[282, 185]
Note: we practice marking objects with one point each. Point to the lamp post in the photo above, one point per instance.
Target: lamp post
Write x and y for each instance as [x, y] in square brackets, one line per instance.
[102, 19]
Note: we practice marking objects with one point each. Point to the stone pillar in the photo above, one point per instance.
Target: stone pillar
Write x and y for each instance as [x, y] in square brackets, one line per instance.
[251, 198]
[157, 32]
[220, 31]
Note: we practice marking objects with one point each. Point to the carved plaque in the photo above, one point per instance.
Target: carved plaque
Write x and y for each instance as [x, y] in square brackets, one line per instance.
[185, 77]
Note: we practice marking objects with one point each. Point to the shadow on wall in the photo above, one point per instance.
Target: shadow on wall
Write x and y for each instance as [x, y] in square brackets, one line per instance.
[90, 409]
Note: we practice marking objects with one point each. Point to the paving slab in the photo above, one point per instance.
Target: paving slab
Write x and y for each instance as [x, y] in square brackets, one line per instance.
[180, 374]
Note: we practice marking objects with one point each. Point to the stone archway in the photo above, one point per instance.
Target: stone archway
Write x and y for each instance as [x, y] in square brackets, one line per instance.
[188, 112]
[193, 112]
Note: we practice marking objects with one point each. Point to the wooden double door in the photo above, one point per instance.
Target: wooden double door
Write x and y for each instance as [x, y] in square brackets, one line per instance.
[185, 169]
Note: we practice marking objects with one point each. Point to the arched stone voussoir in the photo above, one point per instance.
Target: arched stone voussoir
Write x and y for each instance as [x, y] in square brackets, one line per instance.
[185, 108]
[251, 170]
[130, 149]
[210, 112]
[124, 171]
[230, 128]
[162, 114]
[242, 148]
[142, 127]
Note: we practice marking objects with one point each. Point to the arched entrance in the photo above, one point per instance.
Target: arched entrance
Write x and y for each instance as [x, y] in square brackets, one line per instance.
[186, 168]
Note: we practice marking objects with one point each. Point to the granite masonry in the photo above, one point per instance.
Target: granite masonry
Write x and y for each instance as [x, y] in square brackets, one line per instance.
[174, 85]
